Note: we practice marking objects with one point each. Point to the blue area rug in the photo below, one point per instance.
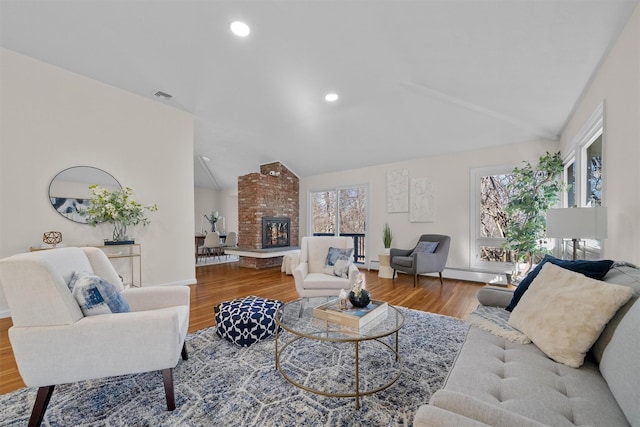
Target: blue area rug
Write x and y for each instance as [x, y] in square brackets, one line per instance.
[225, 385]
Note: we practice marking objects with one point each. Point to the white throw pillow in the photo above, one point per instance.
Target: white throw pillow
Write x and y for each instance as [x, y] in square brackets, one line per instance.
[564, 312]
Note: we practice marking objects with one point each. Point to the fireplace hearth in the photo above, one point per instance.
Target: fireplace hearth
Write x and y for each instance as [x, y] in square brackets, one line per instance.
[275, 231]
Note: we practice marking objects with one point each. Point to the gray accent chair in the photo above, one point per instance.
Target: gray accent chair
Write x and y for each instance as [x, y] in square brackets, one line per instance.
[406, 261]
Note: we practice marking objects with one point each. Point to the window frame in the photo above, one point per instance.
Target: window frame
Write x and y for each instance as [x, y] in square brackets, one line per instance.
[477, 241]
[337, 189]
[576, 154]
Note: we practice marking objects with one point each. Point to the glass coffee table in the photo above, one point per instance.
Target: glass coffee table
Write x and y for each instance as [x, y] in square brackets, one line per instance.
[324, 345]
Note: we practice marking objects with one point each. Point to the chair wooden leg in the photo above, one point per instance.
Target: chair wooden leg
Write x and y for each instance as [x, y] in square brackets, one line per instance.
[185, 355]
[167, 378]
[40, 406]
[415, 280]
[441, 282]
[393, 277]
[301, 306]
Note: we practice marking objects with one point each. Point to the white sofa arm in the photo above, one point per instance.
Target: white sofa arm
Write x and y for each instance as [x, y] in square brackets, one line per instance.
[155, 297]
[109, 344]
[495, 296]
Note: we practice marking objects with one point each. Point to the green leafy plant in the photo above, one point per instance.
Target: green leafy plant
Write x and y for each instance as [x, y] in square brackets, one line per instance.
[213, 218]
[116, 207]
[532, 192]
[386, 235]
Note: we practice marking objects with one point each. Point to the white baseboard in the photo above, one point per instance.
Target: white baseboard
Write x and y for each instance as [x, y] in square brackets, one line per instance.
[4, 313]
[489, 277]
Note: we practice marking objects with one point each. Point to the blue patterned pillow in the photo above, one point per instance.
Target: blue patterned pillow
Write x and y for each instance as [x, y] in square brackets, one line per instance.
[341, 267]
[593, 269]
[336, 253]
[95, 295]
[425, 247]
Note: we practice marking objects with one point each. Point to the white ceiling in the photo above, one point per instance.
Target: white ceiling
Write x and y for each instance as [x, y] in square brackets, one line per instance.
[415, 78]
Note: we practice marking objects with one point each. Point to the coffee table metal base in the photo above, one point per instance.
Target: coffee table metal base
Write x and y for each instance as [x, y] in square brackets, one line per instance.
[356, 342]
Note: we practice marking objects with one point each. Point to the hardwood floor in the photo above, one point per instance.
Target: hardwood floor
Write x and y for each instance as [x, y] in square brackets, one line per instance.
[221, 282]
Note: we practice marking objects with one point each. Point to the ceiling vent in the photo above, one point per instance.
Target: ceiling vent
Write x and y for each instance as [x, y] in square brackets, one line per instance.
[163, 95]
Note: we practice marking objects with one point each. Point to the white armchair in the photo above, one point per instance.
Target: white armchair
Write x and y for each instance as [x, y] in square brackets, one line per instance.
[54, 343]
[310, 275]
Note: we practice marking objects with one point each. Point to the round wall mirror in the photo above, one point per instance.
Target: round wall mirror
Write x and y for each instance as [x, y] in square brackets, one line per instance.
[69, 191]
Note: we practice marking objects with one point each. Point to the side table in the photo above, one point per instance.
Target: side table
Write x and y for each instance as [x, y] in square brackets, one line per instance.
[385, 271]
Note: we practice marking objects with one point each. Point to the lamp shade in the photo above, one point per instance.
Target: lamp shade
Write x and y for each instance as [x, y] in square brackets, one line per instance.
[577, 223]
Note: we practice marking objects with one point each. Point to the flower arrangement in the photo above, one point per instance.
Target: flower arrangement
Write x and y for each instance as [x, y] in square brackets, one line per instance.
[118, 208]
[213, 218]
[359, 285]
[359, 296]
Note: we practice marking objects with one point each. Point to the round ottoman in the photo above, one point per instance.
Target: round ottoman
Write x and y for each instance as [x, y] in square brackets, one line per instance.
[247, 320]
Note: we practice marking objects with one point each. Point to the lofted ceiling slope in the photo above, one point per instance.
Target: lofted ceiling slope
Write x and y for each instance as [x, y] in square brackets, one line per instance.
[415, 78]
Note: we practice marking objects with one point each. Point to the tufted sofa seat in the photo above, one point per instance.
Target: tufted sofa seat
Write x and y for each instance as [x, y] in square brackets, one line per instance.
[499, 383]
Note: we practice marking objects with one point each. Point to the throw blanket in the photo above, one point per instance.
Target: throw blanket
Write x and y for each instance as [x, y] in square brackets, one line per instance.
[495, 321]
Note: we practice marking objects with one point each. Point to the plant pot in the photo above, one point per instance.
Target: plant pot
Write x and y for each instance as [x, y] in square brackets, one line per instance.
[360, 301]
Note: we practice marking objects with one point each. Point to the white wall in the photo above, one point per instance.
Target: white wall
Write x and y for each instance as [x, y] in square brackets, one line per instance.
[617, 82]
[229, 208]
[450, 176]
[53, 119]
[225, 202]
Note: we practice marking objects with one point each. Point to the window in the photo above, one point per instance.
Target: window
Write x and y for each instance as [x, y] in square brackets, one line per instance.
[593, 170]
[584, 175]
[570, 182]
[489, 197]
[341, 212]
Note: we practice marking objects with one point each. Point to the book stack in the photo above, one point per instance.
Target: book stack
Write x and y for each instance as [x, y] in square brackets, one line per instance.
[352, 317]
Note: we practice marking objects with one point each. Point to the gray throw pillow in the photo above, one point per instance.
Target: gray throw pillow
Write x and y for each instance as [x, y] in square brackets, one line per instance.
[425, 247]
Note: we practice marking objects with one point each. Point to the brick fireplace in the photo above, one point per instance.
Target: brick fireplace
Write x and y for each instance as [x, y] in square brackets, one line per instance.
[273, 193]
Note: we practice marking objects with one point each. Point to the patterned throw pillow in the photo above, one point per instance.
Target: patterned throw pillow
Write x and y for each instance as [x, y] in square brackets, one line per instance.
[341, 267]
[425, 247]
[95, 295]
[338, 262]
[334, 253]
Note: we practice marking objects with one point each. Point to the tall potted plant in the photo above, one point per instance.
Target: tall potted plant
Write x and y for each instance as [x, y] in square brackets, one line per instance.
[386, 237]
[532, 192]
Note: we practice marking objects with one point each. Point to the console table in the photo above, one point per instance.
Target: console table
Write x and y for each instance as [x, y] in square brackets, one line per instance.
[127, 260]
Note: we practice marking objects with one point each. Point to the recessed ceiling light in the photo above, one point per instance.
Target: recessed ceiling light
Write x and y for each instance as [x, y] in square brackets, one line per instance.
[240, 29]
[331, 97]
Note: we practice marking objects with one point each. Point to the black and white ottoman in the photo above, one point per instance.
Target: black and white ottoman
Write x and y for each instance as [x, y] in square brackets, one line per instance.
[247, 320]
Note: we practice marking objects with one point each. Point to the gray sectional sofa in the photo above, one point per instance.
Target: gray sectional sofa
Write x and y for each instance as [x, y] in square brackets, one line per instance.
[497, 382]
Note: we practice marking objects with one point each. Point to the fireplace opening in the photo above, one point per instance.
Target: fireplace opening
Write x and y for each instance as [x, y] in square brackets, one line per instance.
[275, 231]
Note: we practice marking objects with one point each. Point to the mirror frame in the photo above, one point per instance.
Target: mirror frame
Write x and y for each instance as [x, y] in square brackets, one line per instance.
[70, 205]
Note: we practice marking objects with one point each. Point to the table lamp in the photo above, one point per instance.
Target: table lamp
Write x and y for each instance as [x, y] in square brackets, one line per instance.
[577, 224]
